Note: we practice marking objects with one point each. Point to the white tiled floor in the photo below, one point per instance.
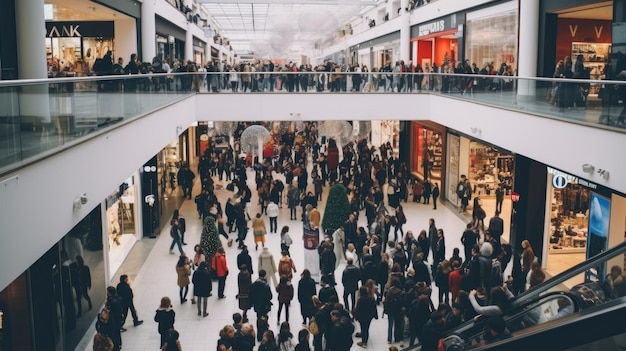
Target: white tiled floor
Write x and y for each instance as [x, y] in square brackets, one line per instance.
[157, 278]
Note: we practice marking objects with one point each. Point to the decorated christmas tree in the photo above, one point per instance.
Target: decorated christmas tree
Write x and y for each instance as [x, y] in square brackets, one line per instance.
[337, 209]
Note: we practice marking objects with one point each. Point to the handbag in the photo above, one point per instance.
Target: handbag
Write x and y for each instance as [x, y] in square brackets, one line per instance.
[313, 327]
[212, 271]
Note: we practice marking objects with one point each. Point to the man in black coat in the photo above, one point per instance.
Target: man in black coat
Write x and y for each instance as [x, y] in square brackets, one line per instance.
[433, 329]
[350, 280]
[326, 291]
[261, 295]
[339, 337]
[116, 315]
[126, 293]
[244, 338]
[496, 227]
[432, 236]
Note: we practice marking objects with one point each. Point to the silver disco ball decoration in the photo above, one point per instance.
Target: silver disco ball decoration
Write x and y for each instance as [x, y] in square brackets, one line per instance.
[253, 138]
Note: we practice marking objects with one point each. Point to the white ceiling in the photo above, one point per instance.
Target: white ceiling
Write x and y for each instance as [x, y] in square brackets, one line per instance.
[275, 28]
[597, 11]
[81, 10]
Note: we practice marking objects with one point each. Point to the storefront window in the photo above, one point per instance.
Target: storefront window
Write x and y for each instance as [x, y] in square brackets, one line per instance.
[428, 153]
[55, 298]
[121, 223]
[491, 38]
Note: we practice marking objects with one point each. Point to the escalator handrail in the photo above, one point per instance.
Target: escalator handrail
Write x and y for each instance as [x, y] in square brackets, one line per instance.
[514, 313]
[540, 289]
[532, 295]
[576, 329]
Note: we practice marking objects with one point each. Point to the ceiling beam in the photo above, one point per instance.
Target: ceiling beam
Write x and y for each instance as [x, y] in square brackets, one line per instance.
[287, 2]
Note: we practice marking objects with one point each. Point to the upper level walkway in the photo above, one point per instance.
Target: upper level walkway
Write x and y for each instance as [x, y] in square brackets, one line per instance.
[87, 135]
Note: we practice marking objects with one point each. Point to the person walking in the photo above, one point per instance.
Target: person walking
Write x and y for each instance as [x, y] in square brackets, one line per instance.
[285, 240]
[218, 263]
[285, 296]
[244, 283]
[435, 195]
[259, 230]
[202, 287]
[286, 266]
[364, 312]
[84, 283]
[272, 213]
[182, 226]
[261, 296]
[267, 264]
[350, 280]
[293, 200]
[116, 314]
[165, 317]
[306, 291]
[175, 234]
[183, 270]
[126, 293]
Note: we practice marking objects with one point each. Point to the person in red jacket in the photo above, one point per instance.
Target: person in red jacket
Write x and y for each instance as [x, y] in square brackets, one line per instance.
[218, 263]
[455, 279]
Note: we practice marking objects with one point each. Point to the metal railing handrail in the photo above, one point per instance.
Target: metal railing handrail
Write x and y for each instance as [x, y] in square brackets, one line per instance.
[115, 77]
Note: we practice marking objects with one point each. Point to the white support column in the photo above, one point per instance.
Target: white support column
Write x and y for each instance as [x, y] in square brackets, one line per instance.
[405, 32]
[528, 34]
[189, 42]
[31, 55]
[207, 51]
[148, 30]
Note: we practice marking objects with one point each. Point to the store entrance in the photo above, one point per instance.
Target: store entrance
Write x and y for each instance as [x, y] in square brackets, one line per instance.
[438, 51]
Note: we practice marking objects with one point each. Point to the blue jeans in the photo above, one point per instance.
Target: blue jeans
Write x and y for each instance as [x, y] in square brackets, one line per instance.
[398, 333]
[365, 330]
[176, 241]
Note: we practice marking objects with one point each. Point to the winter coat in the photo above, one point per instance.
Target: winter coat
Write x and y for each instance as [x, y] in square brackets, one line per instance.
[306, 290]
[165, 318]
[244, 282]
[261, 297]
[285, 292]
[218, 263]
[183, 274]
[350, 278]
[365, 309]
[202, 285]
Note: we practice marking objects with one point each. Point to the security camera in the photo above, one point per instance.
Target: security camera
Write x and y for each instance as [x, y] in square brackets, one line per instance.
[587, 168]
[83, 198]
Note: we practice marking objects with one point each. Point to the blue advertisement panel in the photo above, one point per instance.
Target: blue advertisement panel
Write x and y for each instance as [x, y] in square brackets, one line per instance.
[598, 231]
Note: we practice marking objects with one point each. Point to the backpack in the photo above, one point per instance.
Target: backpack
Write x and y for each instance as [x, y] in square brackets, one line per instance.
[460, 189]
[284, 267]
[393, 303]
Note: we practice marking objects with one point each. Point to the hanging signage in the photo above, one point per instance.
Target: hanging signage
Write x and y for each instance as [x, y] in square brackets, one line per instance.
[436, 26]
[514, 196]
[78, 29]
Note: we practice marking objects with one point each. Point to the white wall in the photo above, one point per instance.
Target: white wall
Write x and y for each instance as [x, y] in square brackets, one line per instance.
[36, 202]
[126, 39]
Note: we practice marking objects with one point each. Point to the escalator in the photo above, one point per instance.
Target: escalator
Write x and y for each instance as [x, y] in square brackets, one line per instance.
[575, 308]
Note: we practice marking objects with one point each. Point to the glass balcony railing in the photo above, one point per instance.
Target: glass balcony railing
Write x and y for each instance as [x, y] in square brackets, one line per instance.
[40, 117]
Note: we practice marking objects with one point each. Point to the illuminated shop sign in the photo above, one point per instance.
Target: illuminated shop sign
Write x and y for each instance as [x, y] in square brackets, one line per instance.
[434, 27]
[78, 29]
[561, 179]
